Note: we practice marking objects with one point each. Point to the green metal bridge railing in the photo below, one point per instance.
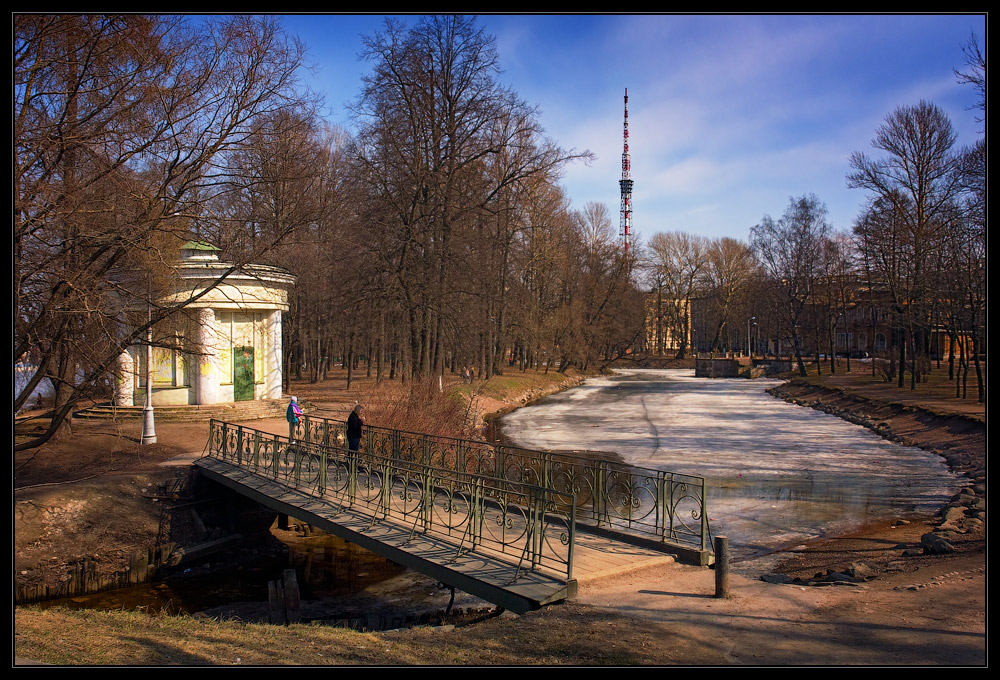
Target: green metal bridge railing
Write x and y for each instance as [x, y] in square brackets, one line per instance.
[533, 523]
[645, 503]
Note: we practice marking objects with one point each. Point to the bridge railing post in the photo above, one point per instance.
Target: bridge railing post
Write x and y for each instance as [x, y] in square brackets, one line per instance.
[536, 535]
[476, 512]
[298, 454]
[239, 445]
[225, 441]
[670, 506]
[352, 476]
[321, 485]
[213, 436]
[571, 538]
[600, 492]
[276, 456]
[662, 509]
[388, 471]
[498, 462]
[426, 498]
[704, 517]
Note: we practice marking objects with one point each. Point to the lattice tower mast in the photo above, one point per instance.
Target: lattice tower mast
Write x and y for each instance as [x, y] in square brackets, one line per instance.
[625, 231]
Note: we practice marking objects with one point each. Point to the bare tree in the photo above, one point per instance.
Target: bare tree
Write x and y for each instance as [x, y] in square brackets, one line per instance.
[975, 74]
[730, 268]
[678, 261]
[790, 250]
[915, 186]
[123, 126]
[448, 155]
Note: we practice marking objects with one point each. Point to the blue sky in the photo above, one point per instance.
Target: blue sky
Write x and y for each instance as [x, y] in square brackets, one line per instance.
[729, 115]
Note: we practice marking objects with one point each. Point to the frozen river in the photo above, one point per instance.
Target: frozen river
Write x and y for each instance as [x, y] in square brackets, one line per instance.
[778, 474]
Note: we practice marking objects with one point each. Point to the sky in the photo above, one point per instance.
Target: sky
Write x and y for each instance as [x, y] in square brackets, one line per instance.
[730, 116]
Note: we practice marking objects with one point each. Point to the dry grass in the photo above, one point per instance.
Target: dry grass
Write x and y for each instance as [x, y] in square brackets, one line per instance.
[936, 394]
[64, 637]
[414, 407]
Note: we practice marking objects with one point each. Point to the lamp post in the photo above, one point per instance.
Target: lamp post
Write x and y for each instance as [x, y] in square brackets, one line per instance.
[148, 426]
[749, 348]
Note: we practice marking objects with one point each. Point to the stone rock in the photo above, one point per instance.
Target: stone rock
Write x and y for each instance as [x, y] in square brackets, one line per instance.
[934, 544]
[962, 499]
[954, 512]
[775, 578]
[945, 533]
[862, 570]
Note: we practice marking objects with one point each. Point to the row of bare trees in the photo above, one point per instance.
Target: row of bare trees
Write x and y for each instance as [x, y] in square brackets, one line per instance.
[448, 241]
[434, 236]
[914, 264]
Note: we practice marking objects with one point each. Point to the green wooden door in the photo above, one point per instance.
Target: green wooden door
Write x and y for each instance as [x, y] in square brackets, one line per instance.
[242, 373]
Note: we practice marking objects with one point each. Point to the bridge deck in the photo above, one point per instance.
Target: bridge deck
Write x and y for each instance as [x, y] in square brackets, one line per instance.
[488, 574]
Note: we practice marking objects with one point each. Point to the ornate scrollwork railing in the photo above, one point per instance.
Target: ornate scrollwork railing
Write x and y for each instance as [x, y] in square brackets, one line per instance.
[667, 507]
[530, 522]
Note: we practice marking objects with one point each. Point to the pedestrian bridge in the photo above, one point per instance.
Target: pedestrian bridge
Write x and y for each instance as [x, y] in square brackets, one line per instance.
[514, 527]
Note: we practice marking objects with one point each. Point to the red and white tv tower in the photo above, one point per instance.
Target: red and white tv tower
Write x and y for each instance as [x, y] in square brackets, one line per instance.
[625, 232]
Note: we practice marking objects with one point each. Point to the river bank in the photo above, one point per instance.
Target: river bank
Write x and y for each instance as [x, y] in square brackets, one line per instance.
[958, 435]
[932, 611]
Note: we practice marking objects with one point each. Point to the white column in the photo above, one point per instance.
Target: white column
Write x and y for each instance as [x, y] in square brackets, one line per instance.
[272, 365]
[125, 380]
[206, 377]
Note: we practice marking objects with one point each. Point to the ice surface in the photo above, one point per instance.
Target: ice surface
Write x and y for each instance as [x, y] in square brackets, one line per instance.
[778, 474]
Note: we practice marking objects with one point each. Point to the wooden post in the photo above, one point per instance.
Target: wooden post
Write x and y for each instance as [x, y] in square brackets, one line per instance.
[721, 566]
[276, 601]
[293, 612]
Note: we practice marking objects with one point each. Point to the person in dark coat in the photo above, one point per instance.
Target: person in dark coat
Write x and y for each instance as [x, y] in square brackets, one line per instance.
[354, 424]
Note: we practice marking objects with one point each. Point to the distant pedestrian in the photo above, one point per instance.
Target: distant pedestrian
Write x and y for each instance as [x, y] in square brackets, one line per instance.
[465, 375]
[354, 425]
[293, 415]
